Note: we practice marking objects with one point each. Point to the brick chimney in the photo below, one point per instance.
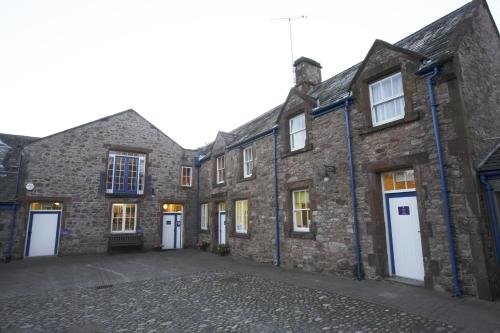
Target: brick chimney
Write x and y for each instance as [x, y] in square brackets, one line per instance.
[307, 74]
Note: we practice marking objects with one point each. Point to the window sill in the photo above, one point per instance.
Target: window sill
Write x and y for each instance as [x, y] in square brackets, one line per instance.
[308, 147]
[240, 235]
[407, 119]
[204, 231]
[125, 195]
[219, 184]
[243, 179]
[302, 235]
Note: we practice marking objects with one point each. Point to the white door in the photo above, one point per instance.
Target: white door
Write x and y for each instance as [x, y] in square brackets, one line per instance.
[404, 236]
[43, 234]
[172, 231]
[222, 228]
[168, 231]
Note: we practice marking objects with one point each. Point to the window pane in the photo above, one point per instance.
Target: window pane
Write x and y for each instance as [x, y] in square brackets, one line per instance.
[119, 173]
[132, 175]
[297, 123]
[109, 177]
[410, 179]
[116, 223]
[298, 140]
[298, 219]
[222, 206]
[142, 172]
[386, 88]
[397, 84]
[388, 182]
[376, 93]
[129, 217]
[400, 180]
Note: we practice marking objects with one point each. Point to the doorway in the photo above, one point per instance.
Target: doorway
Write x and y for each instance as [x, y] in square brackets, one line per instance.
[43, 232]
[222, 222]
[403, 225]
[172, 226]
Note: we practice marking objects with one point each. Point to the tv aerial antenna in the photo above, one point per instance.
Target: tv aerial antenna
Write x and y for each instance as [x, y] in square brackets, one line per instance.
[290, 19]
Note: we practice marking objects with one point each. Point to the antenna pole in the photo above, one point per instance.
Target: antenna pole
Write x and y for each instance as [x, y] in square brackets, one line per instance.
[289, 19]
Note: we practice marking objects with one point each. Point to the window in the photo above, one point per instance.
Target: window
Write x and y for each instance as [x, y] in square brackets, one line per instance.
[186, 176]
[399, 181]
[204, 216]
[298, 132]
[123, 218]
[387, 100]
[242, 216]
[247, 162]
[221, 169]
[301, 210]
[125, 173]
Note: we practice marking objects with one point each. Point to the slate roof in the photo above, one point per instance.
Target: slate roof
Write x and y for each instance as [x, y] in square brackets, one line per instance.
[10, 152]
[492, 161]
[435, 41]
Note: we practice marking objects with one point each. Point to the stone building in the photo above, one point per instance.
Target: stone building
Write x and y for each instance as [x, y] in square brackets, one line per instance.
[388, 169]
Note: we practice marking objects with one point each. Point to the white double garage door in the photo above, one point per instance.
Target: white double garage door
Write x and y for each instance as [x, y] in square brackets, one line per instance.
[42, 238]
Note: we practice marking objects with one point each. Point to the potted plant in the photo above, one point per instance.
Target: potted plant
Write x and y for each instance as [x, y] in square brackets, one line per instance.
[202, 245]
[222, 250]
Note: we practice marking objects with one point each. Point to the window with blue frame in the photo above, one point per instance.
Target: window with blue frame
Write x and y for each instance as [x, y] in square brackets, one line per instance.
[125, 173]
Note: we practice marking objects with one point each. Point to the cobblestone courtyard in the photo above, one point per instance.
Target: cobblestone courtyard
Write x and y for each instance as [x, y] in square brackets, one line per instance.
[189, 291]
[214, 302]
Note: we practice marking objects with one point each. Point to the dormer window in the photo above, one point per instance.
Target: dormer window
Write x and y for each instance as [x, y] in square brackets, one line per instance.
[125, 173]
[221, 169]
[297, 127]
[387, 100]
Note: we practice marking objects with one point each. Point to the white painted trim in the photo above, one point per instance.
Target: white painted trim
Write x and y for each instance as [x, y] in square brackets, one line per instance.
[190, 175]
[204, 216]
[218, 168]
[291, 133]
[372, 106]
[295, 227]
[247, 174]
[124, 211]
[243, 229]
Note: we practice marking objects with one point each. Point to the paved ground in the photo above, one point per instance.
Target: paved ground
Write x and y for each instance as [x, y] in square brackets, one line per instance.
[188, 291]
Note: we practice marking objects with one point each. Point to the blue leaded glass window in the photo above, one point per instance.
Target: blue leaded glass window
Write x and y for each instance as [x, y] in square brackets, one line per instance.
[125, 173]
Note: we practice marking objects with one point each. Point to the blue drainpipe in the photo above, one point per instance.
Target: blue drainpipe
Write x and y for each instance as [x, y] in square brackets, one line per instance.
[12, 225]
[354, 201]
[276, 195]
[318, 112]
[433, 71]
[197, 164]
[493, 213]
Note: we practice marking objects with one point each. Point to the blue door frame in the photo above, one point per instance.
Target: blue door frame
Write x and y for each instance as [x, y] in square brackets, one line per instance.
[30, 226]
[389, 227]
[485, 177]
[175, 215]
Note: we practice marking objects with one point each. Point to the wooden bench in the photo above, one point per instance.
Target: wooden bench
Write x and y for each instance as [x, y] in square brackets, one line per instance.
[124, 240]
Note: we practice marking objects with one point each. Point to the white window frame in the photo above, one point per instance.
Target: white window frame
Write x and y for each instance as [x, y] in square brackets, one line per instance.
[124, 207]
[190, 176]
[295, 226]
[204, 216]
[292, 148]
[141, 170]
[240, 226]
[392, 98]
[221, 166]
[247, 163]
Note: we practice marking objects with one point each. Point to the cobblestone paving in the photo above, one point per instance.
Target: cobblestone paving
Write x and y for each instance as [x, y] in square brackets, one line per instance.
[204, 302]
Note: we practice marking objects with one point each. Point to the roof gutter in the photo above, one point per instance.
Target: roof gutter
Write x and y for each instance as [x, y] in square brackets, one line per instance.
[431, 70]
[322, 110]
[253, 138]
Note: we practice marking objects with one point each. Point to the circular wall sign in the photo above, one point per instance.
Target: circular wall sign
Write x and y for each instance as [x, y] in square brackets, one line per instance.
[30, 186]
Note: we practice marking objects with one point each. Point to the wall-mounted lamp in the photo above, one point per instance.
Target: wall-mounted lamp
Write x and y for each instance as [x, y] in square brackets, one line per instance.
[329, 169]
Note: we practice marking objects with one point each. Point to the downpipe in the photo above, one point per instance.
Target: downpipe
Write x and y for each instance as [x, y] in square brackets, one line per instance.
[354, 203]
[493, 214]
[276, 196]
[12, 225]
[434, 72]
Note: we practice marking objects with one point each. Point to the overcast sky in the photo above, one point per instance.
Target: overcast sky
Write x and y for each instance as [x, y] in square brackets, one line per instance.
[192, 68]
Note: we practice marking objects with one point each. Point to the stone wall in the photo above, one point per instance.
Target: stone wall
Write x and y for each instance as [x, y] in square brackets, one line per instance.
[479, 79]
[67, 167]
